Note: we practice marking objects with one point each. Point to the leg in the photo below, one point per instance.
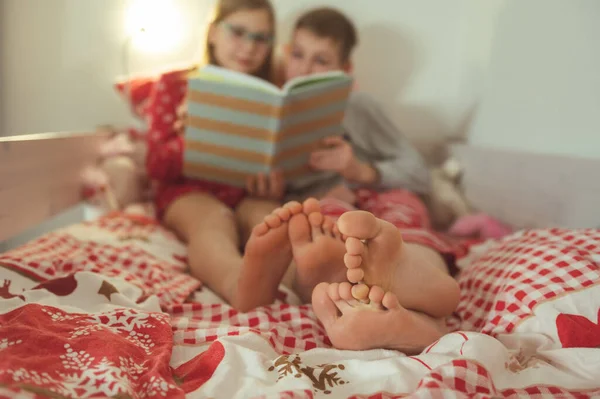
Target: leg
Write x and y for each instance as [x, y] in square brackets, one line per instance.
[382, 323]
[376, 255]
[401, 208]
[250, 212]
[210, 231]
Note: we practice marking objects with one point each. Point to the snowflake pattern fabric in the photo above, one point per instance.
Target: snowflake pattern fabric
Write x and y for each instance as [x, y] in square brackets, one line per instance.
[105, 309]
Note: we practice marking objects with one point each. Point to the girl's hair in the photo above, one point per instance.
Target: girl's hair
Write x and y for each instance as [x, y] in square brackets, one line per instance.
[225, 8]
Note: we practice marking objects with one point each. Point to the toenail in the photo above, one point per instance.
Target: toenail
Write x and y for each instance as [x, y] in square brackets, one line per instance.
[360, 291]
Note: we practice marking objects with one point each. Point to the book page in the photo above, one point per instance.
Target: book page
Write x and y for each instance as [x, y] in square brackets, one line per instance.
[212, 72]
[303, 81]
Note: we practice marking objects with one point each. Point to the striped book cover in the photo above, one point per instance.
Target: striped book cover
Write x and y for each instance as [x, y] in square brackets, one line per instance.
[239, 125]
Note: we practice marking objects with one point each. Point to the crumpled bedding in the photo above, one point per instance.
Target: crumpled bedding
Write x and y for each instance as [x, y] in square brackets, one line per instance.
[105, 309]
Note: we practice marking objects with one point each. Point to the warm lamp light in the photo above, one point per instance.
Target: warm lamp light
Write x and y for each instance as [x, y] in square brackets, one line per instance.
[154, 25]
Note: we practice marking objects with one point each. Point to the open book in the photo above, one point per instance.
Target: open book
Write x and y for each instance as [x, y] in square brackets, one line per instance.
[239, 125]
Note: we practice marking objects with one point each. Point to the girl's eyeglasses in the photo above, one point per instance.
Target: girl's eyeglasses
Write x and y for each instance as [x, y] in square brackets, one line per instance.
[239, 32]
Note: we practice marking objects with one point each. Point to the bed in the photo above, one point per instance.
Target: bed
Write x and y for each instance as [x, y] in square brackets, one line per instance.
[104, 308]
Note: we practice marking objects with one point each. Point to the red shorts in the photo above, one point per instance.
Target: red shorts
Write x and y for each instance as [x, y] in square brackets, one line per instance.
[166, 194]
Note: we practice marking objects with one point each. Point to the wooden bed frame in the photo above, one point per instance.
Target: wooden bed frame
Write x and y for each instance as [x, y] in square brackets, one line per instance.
[40, 176]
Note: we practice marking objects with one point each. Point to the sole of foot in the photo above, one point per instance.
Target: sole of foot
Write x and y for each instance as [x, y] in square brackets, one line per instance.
[318, 249]
[267, 256]
[378, 322]
[374, 250]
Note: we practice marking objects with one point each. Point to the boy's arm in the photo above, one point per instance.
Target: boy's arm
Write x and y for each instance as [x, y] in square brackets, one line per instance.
[398, 163]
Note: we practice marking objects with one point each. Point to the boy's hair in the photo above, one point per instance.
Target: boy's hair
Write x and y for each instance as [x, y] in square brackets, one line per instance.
[225, 8]
[330, 23]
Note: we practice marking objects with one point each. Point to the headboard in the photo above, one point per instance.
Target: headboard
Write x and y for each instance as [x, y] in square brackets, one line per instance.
[531, 190]
[40, 176]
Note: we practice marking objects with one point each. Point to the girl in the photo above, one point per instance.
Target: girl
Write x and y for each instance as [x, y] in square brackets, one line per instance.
[239, 38]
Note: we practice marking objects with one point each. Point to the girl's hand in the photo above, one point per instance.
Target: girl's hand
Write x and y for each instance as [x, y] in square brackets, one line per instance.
[180, 119]
[340, 158]
[271, 186]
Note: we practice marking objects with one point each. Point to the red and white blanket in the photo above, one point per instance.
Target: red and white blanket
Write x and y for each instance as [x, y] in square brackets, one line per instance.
[105, 309]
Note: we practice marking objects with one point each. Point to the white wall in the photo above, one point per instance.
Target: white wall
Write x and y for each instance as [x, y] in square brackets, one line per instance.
[61, 57]
[543, 87]
[61, 72]
[428, 61]
[2, 36]
[408, 57]
[478, 22]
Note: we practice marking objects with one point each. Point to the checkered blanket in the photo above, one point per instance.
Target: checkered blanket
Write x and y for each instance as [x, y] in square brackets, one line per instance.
[105, 309]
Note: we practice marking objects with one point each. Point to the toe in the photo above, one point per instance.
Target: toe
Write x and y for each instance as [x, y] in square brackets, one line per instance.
[334, 291]
[346, 301]
[299, 230]
[352, 261]
[345, 291]
[360, 224]
[316, 224]
[260, 229]
[283, 214]
[355, 275]
[376, 295]
[390, 301]
[328, 226]
[311, 205]
[360, 292]
[323, 306]
[273, 221]
[315, 219]
[354, 246]
[294, 207]
[336, 231]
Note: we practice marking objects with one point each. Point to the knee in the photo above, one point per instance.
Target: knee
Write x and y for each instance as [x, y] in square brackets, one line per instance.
[191, 217]
[219, 219]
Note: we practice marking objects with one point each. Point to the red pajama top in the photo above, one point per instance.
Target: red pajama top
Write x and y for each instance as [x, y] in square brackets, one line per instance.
[164, 160]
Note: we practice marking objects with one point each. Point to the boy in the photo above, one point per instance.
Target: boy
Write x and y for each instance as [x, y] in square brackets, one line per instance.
[409, 288]
[376, 155]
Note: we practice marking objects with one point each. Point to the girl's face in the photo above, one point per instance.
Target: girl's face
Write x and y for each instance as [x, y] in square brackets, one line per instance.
[242, 41]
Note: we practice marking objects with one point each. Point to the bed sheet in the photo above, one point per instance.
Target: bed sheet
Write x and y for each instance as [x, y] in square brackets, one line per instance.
[105, 309]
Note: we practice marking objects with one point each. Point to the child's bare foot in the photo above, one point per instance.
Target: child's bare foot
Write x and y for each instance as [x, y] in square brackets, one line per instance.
[317, 248]
[377, 256]
[374, 250]
[266, 258]
[379, 323]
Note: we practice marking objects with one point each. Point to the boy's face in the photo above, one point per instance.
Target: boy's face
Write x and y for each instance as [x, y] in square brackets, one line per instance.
[311, 54]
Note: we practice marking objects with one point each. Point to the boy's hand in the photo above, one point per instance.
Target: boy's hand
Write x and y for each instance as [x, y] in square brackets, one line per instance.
[340, 158]
[337, 157]
[270, 186]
